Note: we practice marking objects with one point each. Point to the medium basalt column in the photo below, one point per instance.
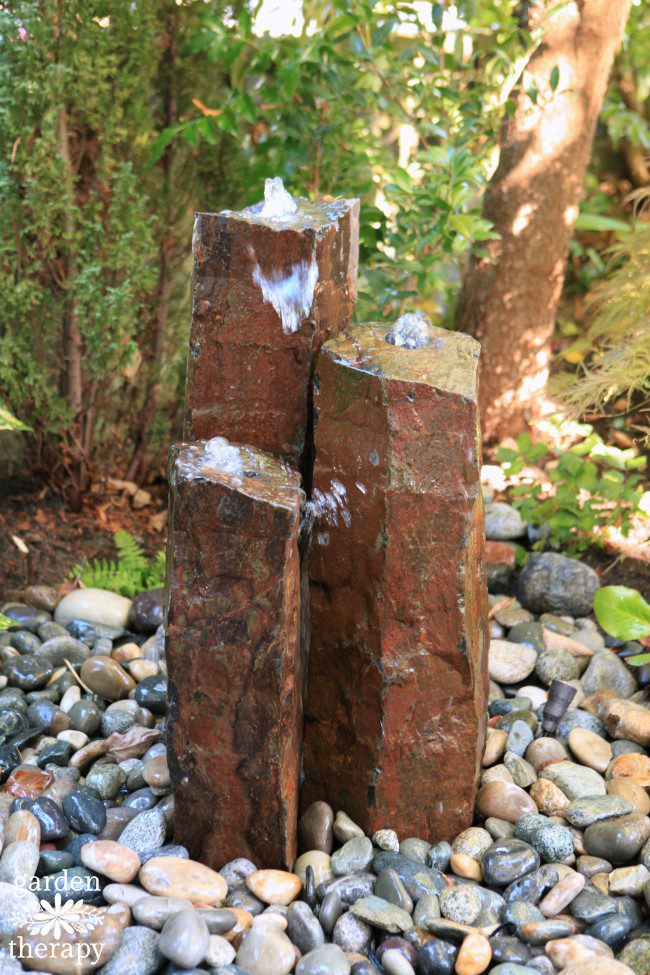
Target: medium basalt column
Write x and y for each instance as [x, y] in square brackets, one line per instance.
[397, 686]
[267, 292]
[232, 646]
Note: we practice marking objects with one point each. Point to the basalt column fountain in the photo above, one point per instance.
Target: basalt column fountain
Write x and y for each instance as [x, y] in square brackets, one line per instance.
[397, 668]
[233, 654]
[270, 285]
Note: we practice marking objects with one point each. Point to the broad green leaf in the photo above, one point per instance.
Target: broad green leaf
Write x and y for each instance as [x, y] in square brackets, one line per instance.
[6, 623]
[638, 660]
[555, 78]
[622, 612]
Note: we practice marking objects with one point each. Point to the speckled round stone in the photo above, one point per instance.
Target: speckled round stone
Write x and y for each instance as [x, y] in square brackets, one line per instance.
[461, 903]
[553, 842]
[473, 842]
[106, 779]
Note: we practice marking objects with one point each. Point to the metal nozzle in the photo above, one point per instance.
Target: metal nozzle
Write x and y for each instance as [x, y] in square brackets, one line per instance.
[560, 696]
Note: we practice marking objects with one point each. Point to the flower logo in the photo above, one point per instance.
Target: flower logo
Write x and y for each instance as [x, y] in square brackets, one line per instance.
[69, 917]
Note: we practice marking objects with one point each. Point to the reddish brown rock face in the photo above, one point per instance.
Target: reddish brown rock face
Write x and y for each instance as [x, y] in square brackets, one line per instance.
[232, 641]
[249, 374]
[398, 662]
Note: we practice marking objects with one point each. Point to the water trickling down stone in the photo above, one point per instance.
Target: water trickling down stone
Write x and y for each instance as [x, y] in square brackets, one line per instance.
[291, 295]
[278, 204]
[255, 279]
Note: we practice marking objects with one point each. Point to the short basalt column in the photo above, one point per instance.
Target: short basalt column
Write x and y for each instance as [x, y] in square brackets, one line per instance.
[397, 685]
[232, 645]
[270, 285]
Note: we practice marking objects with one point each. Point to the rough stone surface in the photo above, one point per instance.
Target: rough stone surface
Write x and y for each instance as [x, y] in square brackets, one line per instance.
[552, 583]
[398, 660]
[233, 657]
[248, 379]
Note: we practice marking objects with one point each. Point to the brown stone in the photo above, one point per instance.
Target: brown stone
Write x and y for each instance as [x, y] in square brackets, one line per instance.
[27, 783]
[233, 656]
[600, 702]
[248, 372]
[631, 766]
[474, 956]
[89, 753]
[549, 799]
[499, 553]
[106, 677]
[170, 877]
[626, 720]
[315, 828]
[629, 789]
[395, 722]
[504, 800]
[22, 826]
[115, 861]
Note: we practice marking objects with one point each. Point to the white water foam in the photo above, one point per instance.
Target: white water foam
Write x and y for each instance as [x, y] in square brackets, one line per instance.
[411, 331]
[222, 455]
[278, 203]
[291, 295]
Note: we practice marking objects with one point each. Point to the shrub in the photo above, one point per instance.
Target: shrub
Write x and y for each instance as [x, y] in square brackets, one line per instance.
[592, 489]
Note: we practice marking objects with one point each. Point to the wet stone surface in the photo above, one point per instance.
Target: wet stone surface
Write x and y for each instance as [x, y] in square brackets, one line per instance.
[548, 876]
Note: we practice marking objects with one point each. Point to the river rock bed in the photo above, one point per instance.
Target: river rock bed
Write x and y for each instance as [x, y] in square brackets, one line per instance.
[554, 875]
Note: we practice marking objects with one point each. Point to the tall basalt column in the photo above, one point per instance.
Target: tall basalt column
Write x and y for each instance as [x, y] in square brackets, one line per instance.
[232, 644]
[267, 292]
[397, 685]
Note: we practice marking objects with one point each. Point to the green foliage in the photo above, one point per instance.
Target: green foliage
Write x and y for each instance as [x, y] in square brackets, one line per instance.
[76, 229]
[372, 102]
[118, 121]
[132, 572]
[92, 237]
[624, 614]
[6, 622]
[10, 422]
[617, 343]
[592, 489]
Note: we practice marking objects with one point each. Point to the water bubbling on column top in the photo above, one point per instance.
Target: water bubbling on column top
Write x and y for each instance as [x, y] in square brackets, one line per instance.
[411, 331]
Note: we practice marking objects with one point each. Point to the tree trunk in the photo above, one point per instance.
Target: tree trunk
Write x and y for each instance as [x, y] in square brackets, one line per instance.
[509, 302]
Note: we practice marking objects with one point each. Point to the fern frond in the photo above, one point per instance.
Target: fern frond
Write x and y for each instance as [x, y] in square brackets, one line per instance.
[129, 550]
[155, 574]
[132, 572]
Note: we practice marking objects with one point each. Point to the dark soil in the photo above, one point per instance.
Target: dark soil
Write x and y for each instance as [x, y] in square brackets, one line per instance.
[615, 570]
[57, 539]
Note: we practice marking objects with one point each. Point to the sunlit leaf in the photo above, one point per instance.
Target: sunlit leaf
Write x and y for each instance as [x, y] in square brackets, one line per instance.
[622, 612]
